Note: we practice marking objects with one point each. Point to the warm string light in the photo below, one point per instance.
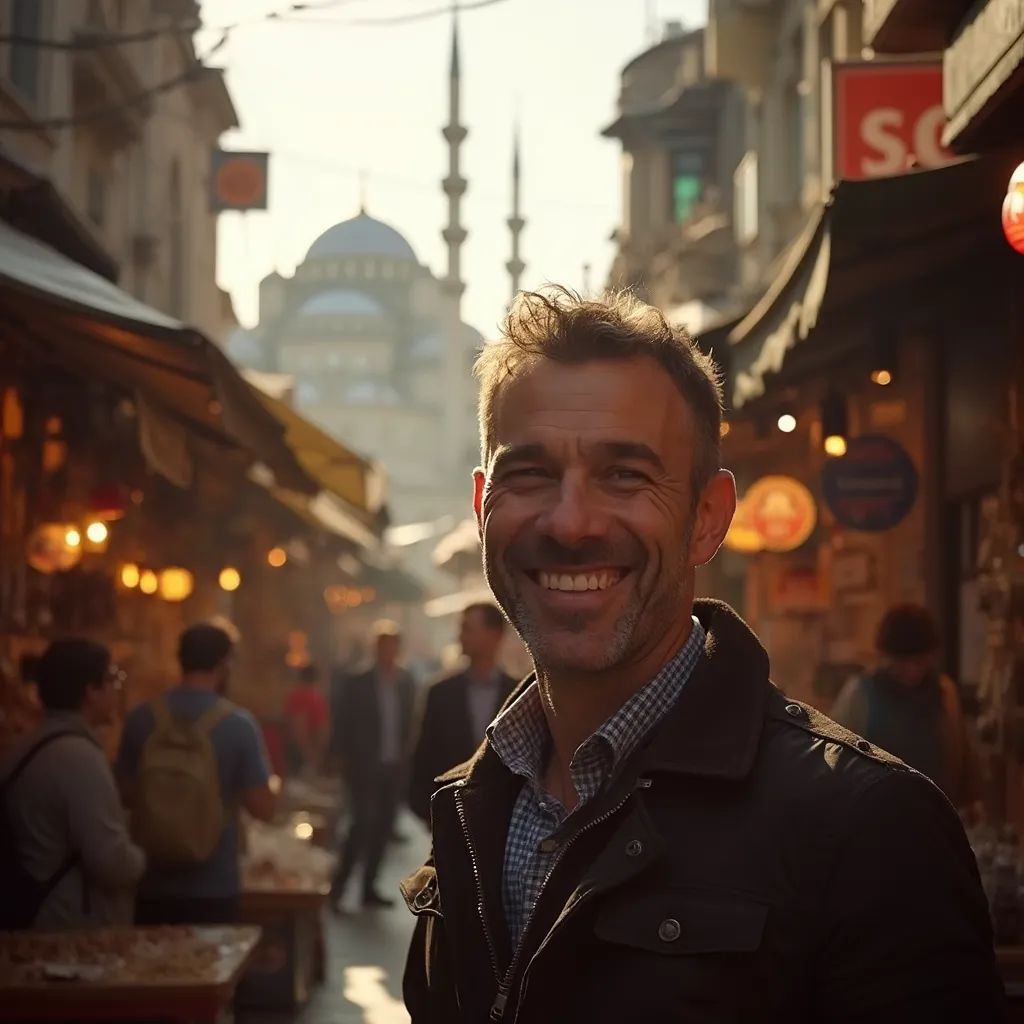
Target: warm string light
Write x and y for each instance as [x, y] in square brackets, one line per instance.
[276, 557]
[148, 582]
[72, 538]
[230, 579]
[96, 532]
[787, 423]
[130, 576]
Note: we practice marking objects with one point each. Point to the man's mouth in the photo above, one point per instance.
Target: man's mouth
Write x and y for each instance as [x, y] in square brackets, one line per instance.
[578, 582]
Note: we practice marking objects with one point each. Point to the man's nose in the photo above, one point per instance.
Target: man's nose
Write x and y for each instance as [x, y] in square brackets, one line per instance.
[574, 517]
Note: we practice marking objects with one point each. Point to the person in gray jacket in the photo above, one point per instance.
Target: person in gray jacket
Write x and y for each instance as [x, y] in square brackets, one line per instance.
[60, 798]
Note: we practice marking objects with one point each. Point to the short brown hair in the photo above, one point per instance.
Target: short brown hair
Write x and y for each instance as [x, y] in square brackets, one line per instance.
[907, 631]
[560, 324]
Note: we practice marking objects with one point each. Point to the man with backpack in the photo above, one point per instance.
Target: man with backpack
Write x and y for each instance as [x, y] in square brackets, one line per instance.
[188, 763]
[66, 858]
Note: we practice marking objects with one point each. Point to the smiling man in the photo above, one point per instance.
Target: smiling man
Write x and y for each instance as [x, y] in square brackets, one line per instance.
[652, 831]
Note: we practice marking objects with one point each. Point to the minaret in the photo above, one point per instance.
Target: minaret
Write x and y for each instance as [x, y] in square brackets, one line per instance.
[458, 416]
[455, 185]
[516, 223]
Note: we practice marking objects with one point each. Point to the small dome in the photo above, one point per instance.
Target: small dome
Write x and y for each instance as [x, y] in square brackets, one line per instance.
[361, 236]
[341, 302]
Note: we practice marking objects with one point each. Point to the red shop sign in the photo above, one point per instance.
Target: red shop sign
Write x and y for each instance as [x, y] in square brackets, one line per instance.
[888, 118]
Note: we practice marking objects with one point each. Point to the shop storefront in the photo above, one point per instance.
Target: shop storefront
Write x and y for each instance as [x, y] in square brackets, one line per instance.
[869, 375]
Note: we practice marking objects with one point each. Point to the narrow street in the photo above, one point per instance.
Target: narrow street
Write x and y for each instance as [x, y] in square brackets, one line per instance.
[365, 952]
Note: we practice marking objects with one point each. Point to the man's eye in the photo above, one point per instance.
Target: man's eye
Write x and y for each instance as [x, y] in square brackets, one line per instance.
[624, 475]
[527, 473]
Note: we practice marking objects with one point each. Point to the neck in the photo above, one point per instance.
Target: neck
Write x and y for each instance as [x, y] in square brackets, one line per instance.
[198, 681]
[577, 704]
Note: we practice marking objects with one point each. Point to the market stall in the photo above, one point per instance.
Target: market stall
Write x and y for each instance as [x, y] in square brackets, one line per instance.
[129, 974]
[285, 889]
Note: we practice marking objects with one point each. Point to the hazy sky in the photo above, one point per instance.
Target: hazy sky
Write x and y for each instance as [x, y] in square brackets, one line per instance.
[329, 97]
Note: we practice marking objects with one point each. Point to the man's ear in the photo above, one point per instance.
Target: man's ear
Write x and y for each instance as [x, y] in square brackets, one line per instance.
[479, 483]
[715, 509]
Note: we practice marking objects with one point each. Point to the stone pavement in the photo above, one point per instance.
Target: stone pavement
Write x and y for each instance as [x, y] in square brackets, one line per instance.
[365, 951]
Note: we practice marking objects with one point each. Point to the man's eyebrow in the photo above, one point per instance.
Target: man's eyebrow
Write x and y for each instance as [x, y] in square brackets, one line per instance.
[517, 453]
[634, 451]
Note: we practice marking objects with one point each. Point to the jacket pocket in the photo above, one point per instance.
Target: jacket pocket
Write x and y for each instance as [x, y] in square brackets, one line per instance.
[421, 893]
[682, 922]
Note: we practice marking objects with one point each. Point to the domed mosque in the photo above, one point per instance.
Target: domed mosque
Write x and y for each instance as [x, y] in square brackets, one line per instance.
[377, 348]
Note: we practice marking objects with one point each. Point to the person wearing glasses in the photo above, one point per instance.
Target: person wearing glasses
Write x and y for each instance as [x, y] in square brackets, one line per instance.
[73, 861]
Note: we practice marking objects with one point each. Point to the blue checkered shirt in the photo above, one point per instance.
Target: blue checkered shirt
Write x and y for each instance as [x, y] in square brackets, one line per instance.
[520, 737]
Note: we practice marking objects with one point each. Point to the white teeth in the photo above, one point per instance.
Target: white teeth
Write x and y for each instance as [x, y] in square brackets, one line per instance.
[577, 584]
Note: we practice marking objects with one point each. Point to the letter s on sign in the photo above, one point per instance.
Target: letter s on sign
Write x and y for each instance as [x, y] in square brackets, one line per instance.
[875, 131]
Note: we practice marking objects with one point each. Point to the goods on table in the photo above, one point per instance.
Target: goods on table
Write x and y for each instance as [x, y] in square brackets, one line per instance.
[115, 956]
[278, 858]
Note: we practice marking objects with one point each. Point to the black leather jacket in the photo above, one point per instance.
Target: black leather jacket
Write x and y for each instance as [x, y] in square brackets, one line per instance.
[752, 862]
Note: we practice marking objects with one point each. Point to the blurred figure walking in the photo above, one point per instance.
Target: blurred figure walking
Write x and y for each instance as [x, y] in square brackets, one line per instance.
[458, 709]
[908, 707]
[307, 722]
[371, 740]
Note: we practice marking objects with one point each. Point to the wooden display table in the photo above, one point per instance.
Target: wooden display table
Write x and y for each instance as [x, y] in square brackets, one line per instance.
[137, 988]
[290, 957]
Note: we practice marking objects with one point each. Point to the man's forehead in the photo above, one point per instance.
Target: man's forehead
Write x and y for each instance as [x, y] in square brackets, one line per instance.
[619, 399]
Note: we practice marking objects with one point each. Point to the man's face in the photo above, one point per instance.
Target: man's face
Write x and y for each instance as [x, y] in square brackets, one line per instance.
[589, 523]
[388, 649]
[912, 671]
[103, 702]
[478, 640]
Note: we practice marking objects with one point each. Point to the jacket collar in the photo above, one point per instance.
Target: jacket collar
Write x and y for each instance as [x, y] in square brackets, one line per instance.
[714, 729]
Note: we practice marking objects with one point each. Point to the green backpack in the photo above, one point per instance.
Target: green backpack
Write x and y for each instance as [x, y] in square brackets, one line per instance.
[179, 814]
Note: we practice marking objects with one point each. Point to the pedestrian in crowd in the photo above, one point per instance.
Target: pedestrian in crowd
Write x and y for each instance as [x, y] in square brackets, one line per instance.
[68, 860]
[908, 707]
[458, 709]
[308, 722]
[372, 737]
[653, 831]
[188, 763]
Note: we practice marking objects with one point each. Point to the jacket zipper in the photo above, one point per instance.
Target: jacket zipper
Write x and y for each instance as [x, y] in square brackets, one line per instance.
[491, 948]
[505, 986]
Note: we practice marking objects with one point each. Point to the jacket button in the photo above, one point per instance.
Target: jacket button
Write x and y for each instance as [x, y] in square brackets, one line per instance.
[548, 845]
[794, 711]
[634, 848]
[423, 898]
[864, 746]
[669, 930]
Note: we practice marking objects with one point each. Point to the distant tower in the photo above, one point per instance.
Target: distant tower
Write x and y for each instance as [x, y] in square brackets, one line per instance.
[458, 396]
[516, 223]
[455, 185]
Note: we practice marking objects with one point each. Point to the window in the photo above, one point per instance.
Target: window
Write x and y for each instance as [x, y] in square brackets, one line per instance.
[96, 196]
[26, 19]
[687, 184]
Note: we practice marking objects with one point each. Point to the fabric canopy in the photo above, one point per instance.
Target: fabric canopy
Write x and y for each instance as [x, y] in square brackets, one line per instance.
[76, 318]
[872, 240]
[335, 468]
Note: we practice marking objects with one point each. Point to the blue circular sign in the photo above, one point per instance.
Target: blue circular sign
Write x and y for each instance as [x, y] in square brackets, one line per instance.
[873, 486]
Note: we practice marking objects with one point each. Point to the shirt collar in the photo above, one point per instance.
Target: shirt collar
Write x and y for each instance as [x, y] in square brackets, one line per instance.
[520, 735]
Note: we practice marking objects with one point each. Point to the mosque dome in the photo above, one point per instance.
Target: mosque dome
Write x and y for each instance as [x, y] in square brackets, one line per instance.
[341, 302]
[361, 236]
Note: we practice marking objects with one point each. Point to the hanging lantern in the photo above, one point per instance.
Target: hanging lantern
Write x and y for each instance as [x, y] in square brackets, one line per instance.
[1013, 211]
[148, 582]
[12, 416]
[48, 550]
[130, 575]
[108, 502]
[175, 584]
